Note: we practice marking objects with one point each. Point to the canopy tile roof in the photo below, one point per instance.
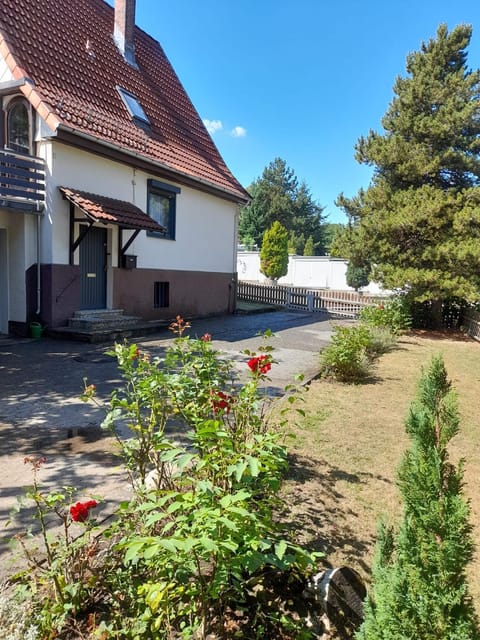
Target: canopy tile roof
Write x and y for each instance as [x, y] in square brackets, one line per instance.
[111, 211]
[67, 49]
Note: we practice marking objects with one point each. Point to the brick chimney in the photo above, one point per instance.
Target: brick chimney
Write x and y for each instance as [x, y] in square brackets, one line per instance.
[124, 28]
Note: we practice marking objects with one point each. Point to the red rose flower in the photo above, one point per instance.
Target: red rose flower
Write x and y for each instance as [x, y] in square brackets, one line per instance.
[206, 337]
[260, 364]
[79, 511]
[221, 400]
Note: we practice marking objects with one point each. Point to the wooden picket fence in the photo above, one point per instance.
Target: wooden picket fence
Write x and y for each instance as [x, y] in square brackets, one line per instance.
[336, 303]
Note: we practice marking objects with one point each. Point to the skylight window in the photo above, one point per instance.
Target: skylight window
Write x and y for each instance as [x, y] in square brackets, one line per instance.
[134, 107]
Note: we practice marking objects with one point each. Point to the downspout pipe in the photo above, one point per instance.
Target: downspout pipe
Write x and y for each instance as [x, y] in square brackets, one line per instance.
[39, 288]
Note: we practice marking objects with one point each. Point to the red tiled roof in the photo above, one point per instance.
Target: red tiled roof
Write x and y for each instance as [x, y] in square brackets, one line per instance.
[66, 47]
[110, 210]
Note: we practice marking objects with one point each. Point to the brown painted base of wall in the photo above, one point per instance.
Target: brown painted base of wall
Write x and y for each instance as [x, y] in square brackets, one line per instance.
[59, 294]
[191, 293]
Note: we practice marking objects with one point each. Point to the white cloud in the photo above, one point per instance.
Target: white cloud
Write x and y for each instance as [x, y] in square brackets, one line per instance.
[213, 125]
[238, 132]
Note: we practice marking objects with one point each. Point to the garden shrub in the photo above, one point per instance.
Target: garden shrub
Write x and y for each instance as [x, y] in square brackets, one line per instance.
[349, 356]
[382, 340]
[419, 584]
[180, 557]
[358, 275]
[392, 314]
[353, 350]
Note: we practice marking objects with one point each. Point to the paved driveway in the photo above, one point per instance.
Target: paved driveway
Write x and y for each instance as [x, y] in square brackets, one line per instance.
[41, 414]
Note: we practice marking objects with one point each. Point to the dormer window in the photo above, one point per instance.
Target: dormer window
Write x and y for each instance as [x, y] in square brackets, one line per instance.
[134, 108]
[18, 126]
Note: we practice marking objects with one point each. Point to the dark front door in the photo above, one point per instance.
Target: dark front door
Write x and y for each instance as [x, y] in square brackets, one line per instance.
[93, 256]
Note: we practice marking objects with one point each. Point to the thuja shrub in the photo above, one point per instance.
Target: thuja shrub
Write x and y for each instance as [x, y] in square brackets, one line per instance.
[419, 585]
[180, 557]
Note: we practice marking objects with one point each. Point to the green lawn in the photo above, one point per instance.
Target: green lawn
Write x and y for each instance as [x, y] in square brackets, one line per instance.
[347, 449]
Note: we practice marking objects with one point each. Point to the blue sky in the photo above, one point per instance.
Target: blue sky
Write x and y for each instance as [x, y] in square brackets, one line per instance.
[299, 80]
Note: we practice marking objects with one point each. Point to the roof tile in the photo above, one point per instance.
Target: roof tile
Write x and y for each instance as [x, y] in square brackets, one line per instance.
[67, 49]
[110, 210]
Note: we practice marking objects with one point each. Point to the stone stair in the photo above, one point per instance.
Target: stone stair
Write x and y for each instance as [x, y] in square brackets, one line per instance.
[105, 325]
[101, 319]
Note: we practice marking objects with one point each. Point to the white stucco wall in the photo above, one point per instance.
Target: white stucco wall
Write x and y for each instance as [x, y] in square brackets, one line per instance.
[205, 225]
[18, 257]
[311, 272]
[5, 73]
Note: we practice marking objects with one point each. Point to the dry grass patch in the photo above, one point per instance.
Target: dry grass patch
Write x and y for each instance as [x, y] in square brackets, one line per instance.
[347, 450]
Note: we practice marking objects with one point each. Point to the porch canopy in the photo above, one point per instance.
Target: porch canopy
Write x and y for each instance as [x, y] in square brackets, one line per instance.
[108, 211]
[111, 211]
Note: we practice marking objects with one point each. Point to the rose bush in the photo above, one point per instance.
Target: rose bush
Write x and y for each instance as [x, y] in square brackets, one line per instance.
[179, 559]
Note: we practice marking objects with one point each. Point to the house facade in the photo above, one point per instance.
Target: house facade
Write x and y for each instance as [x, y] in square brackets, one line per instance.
[112, 193]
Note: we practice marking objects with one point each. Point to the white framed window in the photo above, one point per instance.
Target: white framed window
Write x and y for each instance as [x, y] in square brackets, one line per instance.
[162, 207]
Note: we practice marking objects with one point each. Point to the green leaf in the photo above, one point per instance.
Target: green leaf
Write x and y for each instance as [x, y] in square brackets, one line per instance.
[133, 550]
[171, 454]
[228, 523]
[184, 460]
[208, 544]
[254, 466]
[280, 549]
[175, 506]
[152, 518]
[240, 469]
[170, 544]
[151, 550]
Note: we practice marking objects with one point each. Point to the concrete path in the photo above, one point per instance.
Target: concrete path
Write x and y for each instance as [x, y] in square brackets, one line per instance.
[41, 413]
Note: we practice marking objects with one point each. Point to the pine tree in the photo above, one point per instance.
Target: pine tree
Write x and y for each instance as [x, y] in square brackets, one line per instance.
[295, 243]
[419, 220]
[278, 196]
[419, 586]
[309, 248]
[274, 252]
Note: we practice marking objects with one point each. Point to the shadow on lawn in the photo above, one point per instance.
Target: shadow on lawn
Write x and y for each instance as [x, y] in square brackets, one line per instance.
[321, 516]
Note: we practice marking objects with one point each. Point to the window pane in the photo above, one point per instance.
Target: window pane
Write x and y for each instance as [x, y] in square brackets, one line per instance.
[161, 206]
[18, 138]
[133, 105]
[160, 210]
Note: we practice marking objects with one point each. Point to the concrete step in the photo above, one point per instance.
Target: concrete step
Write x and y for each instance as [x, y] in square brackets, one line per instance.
[99, 334]
[99, 314]
[93, 323]
[101, 319]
